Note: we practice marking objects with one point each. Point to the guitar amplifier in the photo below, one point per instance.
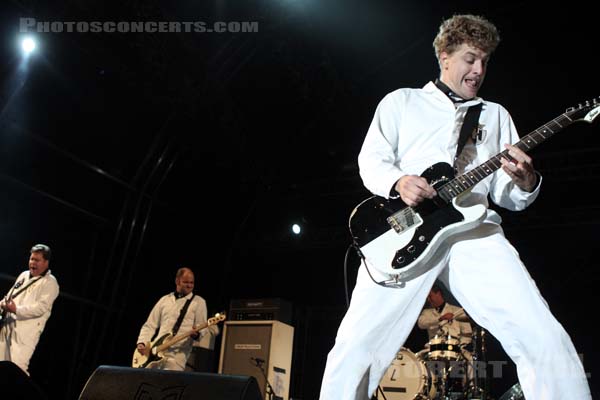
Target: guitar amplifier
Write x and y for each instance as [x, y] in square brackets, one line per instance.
[275, 309]
[260, 349]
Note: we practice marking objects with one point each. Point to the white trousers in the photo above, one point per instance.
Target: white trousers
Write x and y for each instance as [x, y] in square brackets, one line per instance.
[484, 273]
[13, 349]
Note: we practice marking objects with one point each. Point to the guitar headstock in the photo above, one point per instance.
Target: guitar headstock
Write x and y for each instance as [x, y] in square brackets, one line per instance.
[217, 318]
[587, 111]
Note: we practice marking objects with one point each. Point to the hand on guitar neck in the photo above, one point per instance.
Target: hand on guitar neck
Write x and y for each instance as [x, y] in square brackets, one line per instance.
[401, 237]
[147, 355]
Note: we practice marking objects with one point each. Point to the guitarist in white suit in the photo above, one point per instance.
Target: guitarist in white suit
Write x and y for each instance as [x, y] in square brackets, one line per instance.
[413, 129]
[164, 317]
[26, 308]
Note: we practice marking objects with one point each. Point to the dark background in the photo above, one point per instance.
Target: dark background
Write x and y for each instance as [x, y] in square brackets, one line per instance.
[133, 154]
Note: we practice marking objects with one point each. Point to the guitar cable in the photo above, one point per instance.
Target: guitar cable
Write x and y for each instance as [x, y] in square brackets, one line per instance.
[353, 245]
[346, 275]
[390, 284]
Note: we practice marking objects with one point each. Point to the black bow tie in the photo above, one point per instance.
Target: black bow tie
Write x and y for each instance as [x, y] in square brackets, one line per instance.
[448, 92]
[455, 98]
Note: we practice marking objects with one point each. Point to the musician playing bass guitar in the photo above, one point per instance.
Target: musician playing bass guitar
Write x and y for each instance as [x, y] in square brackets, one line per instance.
[180, 311]
[414, 129]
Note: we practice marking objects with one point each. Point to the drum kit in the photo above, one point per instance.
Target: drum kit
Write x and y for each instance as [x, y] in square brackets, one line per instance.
[443, 371]
[439, 373]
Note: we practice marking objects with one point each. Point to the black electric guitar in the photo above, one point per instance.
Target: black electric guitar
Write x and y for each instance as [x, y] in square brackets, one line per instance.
[399, 240]
[158, 346]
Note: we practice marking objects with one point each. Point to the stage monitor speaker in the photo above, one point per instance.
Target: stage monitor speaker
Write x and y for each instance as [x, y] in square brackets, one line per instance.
[124, 383]
[16, 384]
[249, 346]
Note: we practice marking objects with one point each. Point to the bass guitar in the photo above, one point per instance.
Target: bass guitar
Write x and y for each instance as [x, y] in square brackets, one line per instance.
[400, 241]
[159, 345]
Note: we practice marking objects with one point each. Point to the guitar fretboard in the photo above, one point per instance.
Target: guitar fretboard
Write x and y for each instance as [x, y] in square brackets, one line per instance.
[469, 179]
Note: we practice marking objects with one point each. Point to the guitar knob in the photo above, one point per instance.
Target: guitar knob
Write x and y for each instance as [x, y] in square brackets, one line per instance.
[400, 260]
[411, 248]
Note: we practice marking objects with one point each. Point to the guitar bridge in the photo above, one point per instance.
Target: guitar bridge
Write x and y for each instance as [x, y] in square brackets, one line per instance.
[404, 219]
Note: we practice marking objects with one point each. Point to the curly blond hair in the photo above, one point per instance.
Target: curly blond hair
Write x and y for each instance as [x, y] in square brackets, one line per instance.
[473, 30]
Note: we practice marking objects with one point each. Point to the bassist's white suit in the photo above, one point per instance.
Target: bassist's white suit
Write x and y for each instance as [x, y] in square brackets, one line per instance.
[413, 129]
[163, 317]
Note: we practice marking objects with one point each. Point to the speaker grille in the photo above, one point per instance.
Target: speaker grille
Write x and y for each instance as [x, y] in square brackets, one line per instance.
[123, 383]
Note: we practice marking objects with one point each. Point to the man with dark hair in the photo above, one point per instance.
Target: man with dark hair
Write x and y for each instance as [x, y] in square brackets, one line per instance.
[26, 308]
[442, 318]
[450, 332]
[412, 130]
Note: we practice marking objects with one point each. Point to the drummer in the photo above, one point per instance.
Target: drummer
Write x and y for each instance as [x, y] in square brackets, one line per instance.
[446, 324]
[444, 319]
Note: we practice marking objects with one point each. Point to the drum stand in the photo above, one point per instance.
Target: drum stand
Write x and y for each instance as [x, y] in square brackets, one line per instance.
[443, 387]
[476, 388]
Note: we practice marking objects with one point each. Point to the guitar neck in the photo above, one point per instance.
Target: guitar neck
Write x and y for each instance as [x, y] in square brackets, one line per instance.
[469, 179]
[180, 337]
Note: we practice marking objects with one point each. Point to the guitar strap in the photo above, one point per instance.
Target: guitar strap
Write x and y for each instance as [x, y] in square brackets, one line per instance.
[181, 315]
[468, 127]
[12, 295]
[469, 122]
[31, 282]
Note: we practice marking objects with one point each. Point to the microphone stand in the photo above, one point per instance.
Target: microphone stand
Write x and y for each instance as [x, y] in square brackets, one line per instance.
[270, 392]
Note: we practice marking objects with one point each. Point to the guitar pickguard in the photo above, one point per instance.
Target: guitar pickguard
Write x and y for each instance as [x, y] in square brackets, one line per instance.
[424, 234]
[396, 237]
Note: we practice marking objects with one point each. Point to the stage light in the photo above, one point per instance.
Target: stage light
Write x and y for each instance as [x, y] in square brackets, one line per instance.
[28, 45]
[296, 229]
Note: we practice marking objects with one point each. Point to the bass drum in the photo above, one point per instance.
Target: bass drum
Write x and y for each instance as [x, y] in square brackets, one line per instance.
[407, 378]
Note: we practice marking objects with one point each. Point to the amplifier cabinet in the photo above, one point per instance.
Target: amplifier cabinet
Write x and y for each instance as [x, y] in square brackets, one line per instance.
[248, 345]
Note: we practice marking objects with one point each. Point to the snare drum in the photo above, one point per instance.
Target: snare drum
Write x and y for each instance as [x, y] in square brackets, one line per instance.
[407, 378]
[444, 348]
